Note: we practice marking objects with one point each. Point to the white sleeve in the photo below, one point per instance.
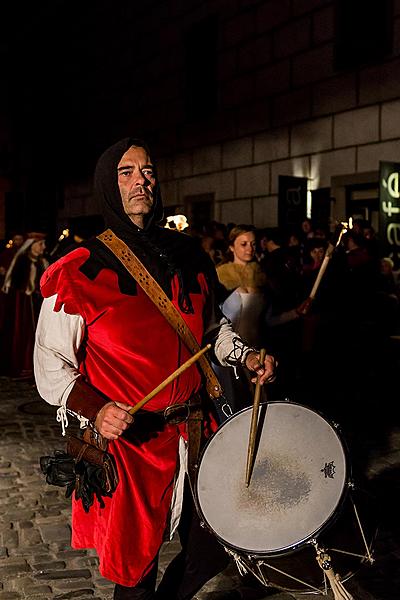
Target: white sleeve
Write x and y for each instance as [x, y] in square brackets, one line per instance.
[58, 337]
[229, 348]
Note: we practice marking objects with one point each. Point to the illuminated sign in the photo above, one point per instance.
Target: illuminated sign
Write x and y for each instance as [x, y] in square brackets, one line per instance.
[292, 206]
[389, 209]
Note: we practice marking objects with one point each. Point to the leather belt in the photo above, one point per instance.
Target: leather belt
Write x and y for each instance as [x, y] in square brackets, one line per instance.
[174, 414]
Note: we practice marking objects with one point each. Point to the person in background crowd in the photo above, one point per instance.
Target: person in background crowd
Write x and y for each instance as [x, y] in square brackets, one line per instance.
[243, 280]
[285, 296]
[8, 253]
[22, 306]
[388, 298]
[243, 303]
[281, 270]
[320, 232]
[295, 250]
[371, 241]
[261, 244]
[358, 226]
[356, 250]
[218, 232]
[388, 280]
[102, 346]
[307, 230]
[6, 256]
[315, 250]
[207, 243]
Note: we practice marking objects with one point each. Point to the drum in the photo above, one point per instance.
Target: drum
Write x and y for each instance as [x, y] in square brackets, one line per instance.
[299, 500]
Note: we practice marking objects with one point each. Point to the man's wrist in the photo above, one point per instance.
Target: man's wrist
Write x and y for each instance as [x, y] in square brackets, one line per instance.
[246, 354]
[84, 401]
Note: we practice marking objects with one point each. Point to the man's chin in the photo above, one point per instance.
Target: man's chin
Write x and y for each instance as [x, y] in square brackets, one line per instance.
[142, 211]
[139, 207]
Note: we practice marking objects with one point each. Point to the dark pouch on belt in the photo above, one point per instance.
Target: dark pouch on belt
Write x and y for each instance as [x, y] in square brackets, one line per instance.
[88, 470]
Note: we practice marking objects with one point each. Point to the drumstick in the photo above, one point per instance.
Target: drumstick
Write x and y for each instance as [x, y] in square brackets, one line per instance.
[254, 423]
[169, 379]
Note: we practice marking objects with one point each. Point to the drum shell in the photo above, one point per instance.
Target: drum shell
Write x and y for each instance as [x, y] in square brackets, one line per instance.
[298, 554]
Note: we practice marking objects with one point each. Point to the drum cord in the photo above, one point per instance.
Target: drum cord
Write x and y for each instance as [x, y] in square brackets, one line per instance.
[368, 556]
[244, 568]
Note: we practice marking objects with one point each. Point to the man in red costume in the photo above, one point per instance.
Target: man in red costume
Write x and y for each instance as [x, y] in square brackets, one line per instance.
[102, 345]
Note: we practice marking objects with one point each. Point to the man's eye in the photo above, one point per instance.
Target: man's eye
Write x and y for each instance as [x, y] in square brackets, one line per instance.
[148, 172]
[125, 173]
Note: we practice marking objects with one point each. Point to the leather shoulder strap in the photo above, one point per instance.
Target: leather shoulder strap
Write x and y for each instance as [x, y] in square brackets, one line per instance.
[154, 291]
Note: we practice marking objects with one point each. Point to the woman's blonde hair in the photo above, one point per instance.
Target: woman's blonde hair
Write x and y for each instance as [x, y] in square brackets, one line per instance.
[238, 230]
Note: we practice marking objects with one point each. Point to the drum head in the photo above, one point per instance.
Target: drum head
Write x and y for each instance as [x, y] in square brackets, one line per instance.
[297, 483]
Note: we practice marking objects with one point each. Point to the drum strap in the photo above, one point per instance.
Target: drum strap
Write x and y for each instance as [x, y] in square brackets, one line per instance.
[194, 429]
[153, 290]
[150, 286]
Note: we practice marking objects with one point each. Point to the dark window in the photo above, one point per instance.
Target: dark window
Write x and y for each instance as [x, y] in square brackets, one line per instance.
[321, 207]
[198, 209]
[362, 202]
[363, 32]
[201, 69]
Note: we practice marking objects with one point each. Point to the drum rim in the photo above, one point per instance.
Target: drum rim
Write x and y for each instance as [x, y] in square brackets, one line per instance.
[326, 525]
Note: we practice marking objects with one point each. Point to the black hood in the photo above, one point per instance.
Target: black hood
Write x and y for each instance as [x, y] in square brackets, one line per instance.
[108, 194]
[164, 253]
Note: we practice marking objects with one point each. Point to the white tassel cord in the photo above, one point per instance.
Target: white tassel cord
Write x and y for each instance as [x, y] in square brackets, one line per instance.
[62, 418]
[338, 589]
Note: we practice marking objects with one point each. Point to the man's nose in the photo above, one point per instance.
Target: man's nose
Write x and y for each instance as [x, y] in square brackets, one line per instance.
[141, 180]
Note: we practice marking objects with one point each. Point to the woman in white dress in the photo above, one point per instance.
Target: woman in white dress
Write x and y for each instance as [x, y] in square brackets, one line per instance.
[244, 282]
[244, 279]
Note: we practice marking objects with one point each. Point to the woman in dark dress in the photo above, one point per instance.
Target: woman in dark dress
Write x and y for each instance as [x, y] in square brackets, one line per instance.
[22, 306]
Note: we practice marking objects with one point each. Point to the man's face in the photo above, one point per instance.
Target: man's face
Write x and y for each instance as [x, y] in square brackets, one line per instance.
[136, 182]
[38, 248]
[18, 240]
[317, 254]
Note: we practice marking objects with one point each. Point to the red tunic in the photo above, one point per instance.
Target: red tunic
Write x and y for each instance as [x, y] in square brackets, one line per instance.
[128, 349]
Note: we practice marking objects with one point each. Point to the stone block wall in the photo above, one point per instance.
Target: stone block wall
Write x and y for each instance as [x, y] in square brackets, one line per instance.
[284, 110]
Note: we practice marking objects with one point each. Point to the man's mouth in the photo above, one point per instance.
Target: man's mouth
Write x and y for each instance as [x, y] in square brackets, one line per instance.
[136, 196]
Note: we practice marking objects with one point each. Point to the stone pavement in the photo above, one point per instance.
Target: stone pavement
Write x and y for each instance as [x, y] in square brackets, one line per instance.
[37, 563]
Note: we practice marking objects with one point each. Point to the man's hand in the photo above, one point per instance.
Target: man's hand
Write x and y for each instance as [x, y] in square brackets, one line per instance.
[266, 372]
[304, 308]
[112, 420]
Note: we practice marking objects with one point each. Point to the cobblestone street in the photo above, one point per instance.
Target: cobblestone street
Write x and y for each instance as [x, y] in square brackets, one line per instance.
[36, 561]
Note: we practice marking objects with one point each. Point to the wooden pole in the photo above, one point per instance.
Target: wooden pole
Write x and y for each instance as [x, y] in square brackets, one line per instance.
[169, 379]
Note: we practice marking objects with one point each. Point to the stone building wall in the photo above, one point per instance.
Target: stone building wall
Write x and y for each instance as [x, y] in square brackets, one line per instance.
[285, 110]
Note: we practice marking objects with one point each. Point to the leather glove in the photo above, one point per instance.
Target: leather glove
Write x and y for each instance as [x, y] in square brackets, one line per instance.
[59, 470]
[90, 484]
